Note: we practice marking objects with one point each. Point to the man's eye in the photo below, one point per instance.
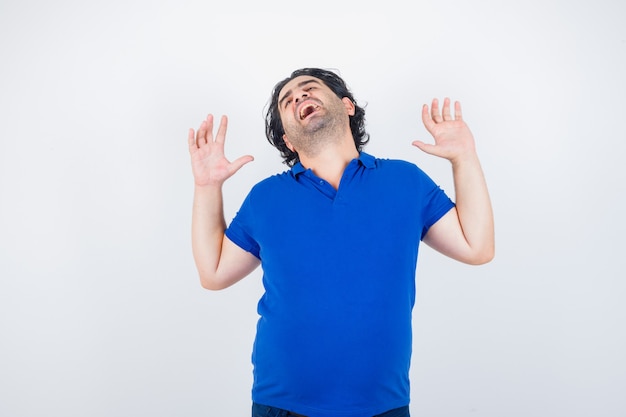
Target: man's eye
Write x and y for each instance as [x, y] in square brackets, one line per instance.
[287, 102]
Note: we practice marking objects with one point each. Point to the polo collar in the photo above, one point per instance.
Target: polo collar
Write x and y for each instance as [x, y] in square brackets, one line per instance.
[366, 160]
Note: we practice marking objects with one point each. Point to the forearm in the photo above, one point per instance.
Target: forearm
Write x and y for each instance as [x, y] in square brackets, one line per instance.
[474, 206]
[207, 231]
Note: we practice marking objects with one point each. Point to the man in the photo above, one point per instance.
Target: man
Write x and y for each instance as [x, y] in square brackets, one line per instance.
[337, 237]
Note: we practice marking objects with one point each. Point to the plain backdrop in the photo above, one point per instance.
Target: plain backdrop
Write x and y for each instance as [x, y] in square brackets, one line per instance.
[101, 311]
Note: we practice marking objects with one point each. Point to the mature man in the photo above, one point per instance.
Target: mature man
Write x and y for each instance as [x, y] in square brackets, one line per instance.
[337, 236]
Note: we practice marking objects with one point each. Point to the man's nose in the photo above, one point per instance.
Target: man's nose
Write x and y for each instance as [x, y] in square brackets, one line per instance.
[301, 96]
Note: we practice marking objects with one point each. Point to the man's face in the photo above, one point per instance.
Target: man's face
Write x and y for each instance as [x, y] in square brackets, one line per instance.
[306, 105]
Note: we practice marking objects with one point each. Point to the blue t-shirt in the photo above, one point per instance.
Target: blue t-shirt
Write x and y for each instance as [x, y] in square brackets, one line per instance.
[334, 333]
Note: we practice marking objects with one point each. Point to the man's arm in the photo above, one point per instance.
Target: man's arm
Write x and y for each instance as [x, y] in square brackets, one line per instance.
[465, 233]
[219, 261]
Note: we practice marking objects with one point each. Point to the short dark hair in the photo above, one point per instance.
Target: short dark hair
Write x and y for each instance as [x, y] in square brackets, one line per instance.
[274, 126]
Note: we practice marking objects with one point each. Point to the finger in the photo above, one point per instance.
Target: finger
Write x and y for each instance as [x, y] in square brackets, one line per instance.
[208, 138]
[221, 131]
[434, 110]
[458, 114]
[201, 134]
[191, 140]
[427, 119]
[446, 109]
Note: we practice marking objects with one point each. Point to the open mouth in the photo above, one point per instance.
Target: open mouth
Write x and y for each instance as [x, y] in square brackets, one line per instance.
[307, 109]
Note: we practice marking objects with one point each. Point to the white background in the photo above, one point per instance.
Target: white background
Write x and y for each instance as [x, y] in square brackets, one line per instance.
[101, 311]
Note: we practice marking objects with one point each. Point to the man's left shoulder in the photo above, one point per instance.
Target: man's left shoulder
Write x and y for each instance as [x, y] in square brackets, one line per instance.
[394, 164]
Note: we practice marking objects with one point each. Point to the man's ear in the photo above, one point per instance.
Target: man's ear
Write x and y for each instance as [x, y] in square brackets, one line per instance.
[350, 106]
[289, 145]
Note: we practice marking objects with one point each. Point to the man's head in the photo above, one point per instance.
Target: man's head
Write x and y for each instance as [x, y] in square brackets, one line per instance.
[311, 78]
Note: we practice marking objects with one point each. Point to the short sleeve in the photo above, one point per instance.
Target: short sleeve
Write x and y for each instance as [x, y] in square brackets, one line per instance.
[436, 204]
[241, 228]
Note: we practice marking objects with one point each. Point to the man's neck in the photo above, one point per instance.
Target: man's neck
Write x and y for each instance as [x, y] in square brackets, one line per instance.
[330, 163]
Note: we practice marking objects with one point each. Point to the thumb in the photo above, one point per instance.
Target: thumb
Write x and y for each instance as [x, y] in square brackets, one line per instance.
[425, 147]
[241, 161]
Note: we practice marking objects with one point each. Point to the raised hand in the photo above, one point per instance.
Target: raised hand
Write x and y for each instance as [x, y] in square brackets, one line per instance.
[453, 138]
[208, 163]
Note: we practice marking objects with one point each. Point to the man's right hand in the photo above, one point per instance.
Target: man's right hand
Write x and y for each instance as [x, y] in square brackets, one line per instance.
[208, 163]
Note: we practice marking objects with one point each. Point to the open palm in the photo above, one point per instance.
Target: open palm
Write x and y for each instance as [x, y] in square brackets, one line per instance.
[208, 162]
[453, 138]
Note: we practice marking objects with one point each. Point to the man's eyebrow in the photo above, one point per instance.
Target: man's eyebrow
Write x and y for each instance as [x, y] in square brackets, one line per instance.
[300, 84]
